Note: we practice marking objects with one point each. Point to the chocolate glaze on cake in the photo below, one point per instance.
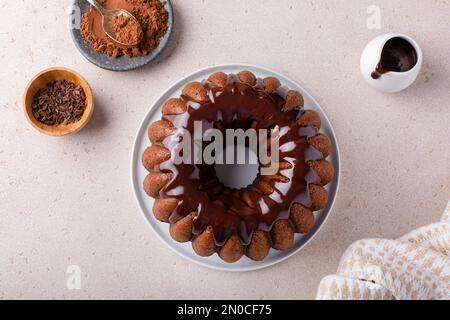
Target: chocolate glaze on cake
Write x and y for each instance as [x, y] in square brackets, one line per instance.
[268, 212]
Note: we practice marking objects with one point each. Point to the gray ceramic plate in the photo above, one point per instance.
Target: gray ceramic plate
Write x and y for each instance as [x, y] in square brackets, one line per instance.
[117, 64]
[138, 173]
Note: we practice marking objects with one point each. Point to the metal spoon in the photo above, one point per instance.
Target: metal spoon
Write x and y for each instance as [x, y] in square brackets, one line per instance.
[108, 16]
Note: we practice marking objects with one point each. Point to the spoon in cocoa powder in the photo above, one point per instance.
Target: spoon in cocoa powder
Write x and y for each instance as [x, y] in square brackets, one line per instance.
[120, 25]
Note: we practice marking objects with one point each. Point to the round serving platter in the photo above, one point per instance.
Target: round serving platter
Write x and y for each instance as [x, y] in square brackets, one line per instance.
[138, 173]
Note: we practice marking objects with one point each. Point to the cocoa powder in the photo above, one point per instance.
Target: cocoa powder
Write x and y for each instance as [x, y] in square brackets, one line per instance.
[127, 30]
[151, 15]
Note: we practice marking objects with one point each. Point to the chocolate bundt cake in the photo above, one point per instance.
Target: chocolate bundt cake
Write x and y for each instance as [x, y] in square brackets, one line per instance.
[267, 213]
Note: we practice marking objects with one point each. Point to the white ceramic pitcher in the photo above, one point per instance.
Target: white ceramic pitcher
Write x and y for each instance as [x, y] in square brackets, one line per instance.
[391, 81]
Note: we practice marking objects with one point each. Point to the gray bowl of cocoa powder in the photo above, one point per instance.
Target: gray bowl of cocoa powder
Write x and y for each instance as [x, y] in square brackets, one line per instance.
[99, 52]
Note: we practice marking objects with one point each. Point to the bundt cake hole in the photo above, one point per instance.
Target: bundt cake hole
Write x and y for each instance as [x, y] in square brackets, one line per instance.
[238, 176]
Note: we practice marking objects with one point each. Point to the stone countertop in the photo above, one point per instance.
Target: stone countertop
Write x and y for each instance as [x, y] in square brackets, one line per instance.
[68, 201]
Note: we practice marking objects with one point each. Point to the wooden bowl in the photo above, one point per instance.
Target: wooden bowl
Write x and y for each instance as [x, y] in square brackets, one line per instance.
[40, 81]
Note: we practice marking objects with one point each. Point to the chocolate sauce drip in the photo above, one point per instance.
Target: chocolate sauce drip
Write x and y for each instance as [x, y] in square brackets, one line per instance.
[239, 106]
[398, 55]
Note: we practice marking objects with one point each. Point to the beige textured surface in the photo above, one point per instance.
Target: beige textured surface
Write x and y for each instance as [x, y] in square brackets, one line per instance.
[67, 201]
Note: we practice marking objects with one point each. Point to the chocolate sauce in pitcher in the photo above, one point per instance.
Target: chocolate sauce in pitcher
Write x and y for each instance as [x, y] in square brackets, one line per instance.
[398, 55]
